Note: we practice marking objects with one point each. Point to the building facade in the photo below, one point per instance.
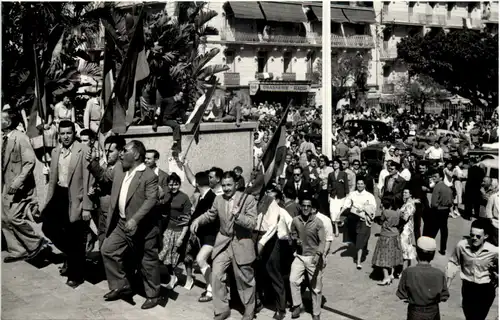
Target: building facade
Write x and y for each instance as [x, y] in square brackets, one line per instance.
[273, 48]
[398, 19]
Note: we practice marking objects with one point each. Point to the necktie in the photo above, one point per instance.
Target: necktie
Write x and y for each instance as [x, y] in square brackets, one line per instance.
[5, 138]
[390, 184]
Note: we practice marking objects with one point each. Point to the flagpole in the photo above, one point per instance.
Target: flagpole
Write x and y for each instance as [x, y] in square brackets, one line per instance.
[244, 198]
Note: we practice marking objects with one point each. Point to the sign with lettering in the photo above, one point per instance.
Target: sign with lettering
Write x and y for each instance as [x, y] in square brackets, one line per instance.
[285, 87]
[253, 88]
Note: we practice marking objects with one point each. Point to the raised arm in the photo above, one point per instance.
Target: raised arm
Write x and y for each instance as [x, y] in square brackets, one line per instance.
[248, 215]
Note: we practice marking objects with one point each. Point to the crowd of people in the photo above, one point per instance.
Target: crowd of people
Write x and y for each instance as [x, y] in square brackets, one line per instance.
[271, 245]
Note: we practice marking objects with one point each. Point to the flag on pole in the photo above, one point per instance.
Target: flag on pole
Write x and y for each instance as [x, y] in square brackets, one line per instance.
[275, 153]
[39, 109]
[199, 110]
[120, 109]
[109, 69]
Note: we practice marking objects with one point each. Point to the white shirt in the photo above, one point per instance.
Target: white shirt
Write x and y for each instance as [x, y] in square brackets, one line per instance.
[327, 222]
[282, 226]
[122, 198]
[405, 174]
[434, 154]
[157, 171]
[381, 179]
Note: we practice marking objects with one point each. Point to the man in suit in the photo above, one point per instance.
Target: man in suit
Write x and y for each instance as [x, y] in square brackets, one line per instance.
[18, 193]
[113, 145]
[394, 184]
[302, 188]
[152, 157]
[132, 223]
[237, 213]
[287, 173]
[167, 113]
[68, 207]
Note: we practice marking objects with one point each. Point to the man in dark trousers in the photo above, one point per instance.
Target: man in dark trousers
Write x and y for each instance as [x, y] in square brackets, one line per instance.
[68, 207]
[168, 112]
[132, 223]
[419, 185]
[441, 202]
[472, 196]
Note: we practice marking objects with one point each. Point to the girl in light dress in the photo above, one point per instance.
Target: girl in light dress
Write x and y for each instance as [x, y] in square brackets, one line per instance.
[407, 235]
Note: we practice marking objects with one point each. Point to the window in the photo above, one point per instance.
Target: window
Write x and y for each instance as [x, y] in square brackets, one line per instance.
[287, 62]
[335, 28]
[310, 61]
[411, 5]
[450, 7]
[262, 61]
[230, 60]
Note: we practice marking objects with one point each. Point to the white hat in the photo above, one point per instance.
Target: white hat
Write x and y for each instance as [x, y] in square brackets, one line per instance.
[426, 243]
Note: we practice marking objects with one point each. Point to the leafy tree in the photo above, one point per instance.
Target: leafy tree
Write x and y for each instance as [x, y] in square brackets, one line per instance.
[349, 72]
[464, 62]
[176, 61]
[417, 91]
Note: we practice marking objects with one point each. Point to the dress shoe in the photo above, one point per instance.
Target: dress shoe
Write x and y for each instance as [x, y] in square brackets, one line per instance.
[316, 317]
[222, 316]
[149, 303]
[74, 283]
[10, 259]
[295, 312]
[279, 315]
[117, 294]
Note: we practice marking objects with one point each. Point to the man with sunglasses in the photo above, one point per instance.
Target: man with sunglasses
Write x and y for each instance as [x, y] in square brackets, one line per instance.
[477, 261]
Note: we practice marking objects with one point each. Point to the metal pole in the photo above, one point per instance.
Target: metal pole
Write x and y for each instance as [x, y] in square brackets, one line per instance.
[326, 89]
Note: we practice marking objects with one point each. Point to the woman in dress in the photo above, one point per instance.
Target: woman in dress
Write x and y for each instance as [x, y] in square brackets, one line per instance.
[178, 209]
[459, 178]
[407, 233]
[388, 253]
[362, 207]
[324, 172]
[338, 189]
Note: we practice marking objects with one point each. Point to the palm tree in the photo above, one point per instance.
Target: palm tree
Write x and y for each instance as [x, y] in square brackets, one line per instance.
[177, 56]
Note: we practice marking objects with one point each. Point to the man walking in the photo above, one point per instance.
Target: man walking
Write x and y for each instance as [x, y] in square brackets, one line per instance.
[130, 223]
[18, 193]
[68, 207]
[237, 213]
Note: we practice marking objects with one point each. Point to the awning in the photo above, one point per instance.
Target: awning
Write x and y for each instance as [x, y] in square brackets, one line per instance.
[246, 10]
[356, 15]
[336, 14]
[283, 12]
[283, 87]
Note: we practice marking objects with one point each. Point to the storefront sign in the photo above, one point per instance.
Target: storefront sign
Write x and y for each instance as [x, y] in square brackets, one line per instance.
[253, 88]
[284, 87]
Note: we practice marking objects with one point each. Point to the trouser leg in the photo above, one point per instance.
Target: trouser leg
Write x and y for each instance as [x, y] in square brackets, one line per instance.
[219, 286]
[113, 251]
[77, 239]
[245, 283]
[296, 278]
[150, 264]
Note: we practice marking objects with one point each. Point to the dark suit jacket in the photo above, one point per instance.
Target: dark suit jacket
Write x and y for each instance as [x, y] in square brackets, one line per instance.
[142, 195]
[305, 188]
[397, 188]
[162, 179]
[313, 182]
[338, 186]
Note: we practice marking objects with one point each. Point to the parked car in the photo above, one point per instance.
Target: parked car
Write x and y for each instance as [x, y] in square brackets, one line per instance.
[374, 155]
[380, 128]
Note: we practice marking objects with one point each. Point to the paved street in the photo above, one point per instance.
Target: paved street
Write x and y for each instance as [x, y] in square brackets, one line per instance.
[31, 293]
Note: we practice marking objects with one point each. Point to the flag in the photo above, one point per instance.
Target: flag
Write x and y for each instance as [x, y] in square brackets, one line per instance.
[199, 110]
[275, 153]
[109, 69]
[39, 109]
[120, 109]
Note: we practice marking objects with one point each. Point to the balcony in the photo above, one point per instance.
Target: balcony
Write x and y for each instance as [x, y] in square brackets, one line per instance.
[403, 18]
[288, 76]
[231, 79]
[388, 88]
[359, 41]
[313, 77]
[254, 37]
[389, 53]
[436, 20]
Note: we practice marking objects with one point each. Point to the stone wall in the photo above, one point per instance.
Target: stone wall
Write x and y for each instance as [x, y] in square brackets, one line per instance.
[221, 144]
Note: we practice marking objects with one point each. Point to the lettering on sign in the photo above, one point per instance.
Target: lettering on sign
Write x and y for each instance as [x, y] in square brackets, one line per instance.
[284, 87]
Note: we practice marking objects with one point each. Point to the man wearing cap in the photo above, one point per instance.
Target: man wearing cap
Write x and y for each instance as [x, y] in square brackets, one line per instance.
[423, 286]
[477, 261]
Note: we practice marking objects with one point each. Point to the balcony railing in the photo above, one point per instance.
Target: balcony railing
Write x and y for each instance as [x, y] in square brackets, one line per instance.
[231, 79]
[264, 76]
[357, 41]
[403, 18]
[388, 88]
[389, 54]
[288, 76]
[436, 19]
